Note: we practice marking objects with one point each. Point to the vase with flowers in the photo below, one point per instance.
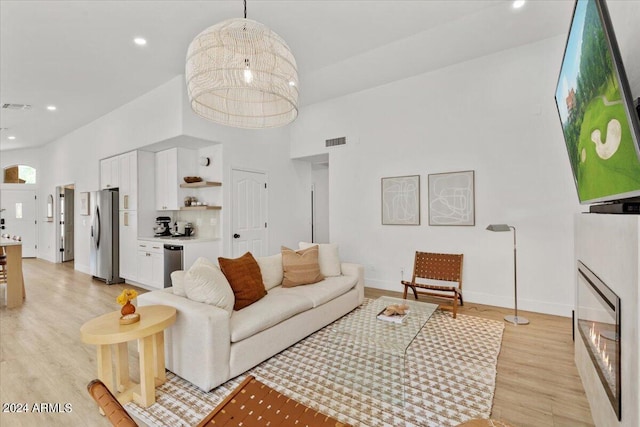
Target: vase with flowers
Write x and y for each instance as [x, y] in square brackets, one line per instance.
[128, 310]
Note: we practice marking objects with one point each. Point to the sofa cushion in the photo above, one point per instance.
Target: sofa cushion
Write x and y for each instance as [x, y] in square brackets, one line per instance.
[263, 314]
[177, 283]
[271, 269]
[204, 282]
[321, 292]
[300, 267]
[328, 257]
[245, 279]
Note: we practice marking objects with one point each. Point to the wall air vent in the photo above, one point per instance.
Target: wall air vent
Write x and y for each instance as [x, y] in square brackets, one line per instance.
[16, 106]
[335, 141]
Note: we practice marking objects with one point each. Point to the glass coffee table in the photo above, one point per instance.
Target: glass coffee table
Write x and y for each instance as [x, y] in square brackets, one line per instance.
[371, 353]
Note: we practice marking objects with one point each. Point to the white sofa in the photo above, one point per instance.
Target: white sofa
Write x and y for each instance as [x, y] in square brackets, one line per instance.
[207, 347]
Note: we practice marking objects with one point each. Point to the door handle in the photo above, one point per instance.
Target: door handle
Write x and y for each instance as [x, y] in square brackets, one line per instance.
[236, 236]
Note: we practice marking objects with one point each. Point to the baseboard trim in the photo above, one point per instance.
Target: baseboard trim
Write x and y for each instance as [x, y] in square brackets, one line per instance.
[505, 301]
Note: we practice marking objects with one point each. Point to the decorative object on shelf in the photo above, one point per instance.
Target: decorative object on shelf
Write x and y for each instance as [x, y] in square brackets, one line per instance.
[515, 319]
[205, 161]
[128, 310]
[240, 73]
[192, 179]
[401, 200]
[451, 198]
[84, 203]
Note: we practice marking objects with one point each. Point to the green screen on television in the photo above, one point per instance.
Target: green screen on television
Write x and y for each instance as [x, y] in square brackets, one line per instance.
[599, 123]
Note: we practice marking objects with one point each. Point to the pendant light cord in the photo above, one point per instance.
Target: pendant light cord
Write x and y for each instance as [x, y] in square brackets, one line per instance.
[245, 9]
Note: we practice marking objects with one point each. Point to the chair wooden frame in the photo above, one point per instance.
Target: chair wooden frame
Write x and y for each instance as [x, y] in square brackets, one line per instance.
[109, 405]
[437, 266]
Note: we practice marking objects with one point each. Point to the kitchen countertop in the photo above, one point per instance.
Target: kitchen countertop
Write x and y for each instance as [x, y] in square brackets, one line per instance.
[178, 239]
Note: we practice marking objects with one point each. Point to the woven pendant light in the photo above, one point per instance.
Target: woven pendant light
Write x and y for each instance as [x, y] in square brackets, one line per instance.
[240, 73]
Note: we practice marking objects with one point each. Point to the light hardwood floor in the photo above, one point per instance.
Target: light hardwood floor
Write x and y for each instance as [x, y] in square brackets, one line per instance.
[42, 359]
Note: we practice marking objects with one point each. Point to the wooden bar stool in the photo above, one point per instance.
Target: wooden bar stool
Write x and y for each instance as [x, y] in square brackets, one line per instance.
[3, 266]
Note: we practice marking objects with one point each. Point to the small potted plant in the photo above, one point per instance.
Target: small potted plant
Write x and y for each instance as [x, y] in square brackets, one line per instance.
[128, 310]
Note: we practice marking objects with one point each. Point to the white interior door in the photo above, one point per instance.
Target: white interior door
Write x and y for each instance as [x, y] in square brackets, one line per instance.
[249, 213]
[69, 214]
[19, 212]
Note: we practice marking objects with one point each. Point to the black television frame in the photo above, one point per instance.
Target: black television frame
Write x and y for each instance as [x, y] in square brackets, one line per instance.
[625, 92]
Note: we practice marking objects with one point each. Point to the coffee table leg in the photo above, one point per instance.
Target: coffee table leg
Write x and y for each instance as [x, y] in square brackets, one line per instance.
[122, 367]
[147, 382]
[105, 371]
[158, 360]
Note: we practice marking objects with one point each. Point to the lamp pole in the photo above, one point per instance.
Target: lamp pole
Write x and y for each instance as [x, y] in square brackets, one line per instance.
[515, 319]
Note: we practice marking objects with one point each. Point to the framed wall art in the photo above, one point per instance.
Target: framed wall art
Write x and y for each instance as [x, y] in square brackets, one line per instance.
[452, 198]
[84, 203]
[401, 200]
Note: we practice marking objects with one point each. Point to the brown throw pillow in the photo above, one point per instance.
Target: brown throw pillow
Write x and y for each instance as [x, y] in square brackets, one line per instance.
[245, 279]
[300, 267]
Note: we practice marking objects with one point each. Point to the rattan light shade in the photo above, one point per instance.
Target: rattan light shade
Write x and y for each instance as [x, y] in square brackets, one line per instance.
[219, 88]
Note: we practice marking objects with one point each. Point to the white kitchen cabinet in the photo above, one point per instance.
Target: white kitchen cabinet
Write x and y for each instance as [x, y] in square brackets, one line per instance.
[128, 233]
[150, 260]
[171, 166]
[137, 211]
[128, 190]
[110, 173]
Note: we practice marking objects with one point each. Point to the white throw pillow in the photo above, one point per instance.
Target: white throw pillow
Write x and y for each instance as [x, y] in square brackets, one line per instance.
[328, 258]
[177, 282]
[205, 282]
[271, 269]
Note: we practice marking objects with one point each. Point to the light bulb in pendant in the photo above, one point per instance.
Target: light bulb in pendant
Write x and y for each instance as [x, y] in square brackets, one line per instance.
[248, 75]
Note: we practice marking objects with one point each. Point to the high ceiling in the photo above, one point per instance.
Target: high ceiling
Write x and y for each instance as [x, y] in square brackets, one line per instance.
[80, 55]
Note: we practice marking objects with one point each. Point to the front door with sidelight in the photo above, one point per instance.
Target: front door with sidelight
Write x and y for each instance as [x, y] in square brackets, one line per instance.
[249, 213]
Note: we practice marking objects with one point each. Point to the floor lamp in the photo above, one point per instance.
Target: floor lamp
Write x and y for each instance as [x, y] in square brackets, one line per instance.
[516, 320]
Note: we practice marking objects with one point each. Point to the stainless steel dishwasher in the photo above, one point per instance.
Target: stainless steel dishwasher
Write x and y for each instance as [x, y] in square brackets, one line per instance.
[173, 260]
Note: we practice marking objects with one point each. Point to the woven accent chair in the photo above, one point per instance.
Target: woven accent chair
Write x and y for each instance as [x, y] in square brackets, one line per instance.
[434, 266]
[112, 409]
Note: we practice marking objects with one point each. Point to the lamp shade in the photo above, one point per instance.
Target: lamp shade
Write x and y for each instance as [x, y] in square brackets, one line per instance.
[240, 73]
[499, 227]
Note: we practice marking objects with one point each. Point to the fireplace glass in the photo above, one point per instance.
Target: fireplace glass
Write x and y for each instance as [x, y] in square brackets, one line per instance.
[599, 326]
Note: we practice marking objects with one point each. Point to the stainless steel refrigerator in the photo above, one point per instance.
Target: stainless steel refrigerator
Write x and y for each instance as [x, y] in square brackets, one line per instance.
[104, 262]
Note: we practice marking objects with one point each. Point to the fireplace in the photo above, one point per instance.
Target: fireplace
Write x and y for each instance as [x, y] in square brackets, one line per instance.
[598, 323]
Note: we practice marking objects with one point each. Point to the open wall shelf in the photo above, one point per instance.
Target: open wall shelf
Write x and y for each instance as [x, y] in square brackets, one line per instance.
[201, 208]
[201, 184]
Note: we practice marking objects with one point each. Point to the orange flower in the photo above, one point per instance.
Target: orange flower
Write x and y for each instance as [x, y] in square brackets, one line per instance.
[126, 296]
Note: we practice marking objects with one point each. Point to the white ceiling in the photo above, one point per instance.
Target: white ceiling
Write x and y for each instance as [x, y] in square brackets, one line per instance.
[79, 55]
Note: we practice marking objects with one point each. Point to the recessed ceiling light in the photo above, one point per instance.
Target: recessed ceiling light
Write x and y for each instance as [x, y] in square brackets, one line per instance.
[140, 41]
[51, 107]
[11, 137]
[517, 4]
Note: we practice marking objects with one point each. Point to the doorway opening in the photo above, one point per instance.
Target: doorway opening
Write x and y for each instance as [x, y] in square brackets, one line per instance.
[319, 197]
[65, 233]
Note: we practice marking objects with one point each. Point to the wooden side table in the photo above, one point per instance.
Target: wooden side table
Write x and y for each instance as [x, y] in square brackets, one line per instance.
[105, 331]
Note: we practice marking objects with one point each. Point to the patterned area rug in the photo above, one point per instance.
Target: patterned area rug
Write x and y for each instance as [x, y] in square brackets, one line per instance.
[449, 378]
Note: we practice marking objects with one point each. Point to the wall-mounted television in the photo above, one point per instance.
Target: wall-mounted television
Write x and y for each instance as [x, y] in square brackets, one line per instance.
[599, 121]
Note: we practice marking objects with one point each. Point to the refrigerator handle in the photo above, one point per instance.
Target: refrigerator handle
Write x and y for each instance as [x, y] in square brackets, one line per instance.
[98, 226]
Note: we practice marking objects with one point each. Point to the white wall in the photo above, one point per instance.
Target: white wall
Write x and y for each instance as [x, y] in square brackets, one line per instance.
[495, 115]
[74, 158]
[320, 180]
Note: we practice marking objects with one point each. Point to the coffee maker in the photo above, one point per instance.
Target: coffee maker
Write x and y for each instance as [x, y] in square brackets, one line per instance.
[162, 227]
